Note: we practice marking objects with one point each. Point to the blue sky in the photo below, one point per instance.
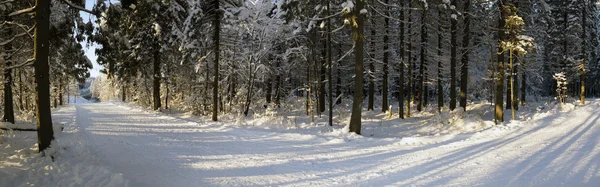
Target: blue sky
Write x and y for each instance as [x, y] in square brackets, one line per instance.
[89, 51]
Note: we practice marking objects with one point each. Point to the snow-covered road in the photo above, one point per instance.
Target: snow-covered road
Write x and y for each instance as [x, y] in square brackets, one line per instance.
[154, 150]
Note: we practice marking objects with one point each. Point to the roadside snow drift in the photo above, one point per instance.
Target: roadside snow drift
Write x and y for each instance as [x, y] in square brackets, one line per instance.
[74, 164]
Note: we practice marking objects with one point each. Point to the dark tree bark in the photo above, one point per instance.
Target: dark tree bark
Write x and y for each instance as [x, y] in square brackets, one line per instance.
[454, 45]
[384, 104]
[523, 88]
[60, 93]
[440, 89]
[268, 89]
[338, 89]
[409, 97]
[322, 74]
[307, 87]
[358, 32]
[401, 68]
[422, 62]
[21, 93]
[508, 88]
[167, 94]
[464, 69]
[156, 76]
[9, 113]
[499, 109]
[515, 72]
[216, 37]
[250, 87]
[371, 73]
[583, 52]
[42, 81]
[277, 83]
[124, 93]
[329, 67]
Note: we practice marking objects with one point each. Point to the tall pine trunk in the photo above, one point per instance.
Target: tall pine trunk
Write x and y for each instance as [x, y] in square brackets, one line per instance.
[422, 62]
[216, 37]
[401, 68]
[329, 68]
[409, 61]
[42, 81]
[464, 70]
[371, 73]
[358, 36]
[60, 93]
[321, 77]
[499, 110]
[156, 77]
[338, 89]
[9, 113]
[440, 89]
[124, 92]
[453, 44]
[583, 53]
[384, 103]
[523, 87]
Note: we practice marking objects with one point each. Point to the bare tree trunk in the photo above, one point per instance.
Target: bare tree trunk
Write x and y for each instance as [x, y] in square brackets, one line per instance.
[401, 68]
[338, 89]
[321, 78]
[60, 92]
[156, 77]
[371, 73]
[9, 113]
[422, 62]
[68, 92]
[329, 68]
[386, 53]
[21, 94]
[250, 87]
[453, 44]
[42, 83]
[358, 32]
[277, 84]
[124, 93]
[409, 61]
[523, 87]
[268, 89]
[307, 87]
[216, 42]
[583, 53]
[464, 69]
[440, 89]
[499, 110]
[512, 90]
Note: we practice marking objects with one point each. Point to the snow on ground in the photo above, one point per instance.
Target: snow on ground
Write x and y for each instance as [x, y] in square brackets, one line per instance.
[74, 164]
[545, 146]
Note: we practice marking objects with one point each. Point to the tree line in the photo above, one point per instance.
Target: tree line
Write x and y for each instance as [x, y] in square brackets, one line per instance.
[234, 56]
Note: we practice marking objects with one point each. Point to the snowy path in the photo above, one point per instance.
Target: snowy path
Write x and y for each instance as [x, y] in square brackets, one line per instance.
[153, 150]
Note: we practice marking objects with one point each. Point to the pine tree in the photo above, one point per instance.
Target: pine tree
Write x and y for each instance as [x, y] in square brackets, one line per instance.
[357, 25]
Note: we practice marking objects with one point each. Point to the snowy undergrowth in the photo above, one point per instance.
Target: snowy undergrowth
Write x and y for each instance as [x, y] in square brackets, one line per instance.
[73, 165]
[423, 128]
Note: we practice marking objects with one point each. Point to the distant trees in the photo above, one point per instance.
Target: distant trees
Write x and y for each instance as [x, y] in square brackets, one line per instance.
[61, 23]
[243, 57]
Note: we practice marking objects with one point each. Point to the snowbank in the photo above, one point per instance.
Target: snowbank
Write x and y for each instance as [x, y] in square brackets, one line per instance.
[74, 164]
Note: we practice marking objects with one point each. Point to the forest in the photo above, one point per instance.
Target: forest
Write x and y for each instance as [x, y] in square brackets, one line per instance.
[252, 92]
[238, 57]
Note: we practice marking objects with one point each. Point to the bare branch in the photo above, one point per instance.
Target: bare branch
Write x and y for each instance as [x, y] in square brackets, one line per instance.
[23, 11]
[73, 5]
[26, 63]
